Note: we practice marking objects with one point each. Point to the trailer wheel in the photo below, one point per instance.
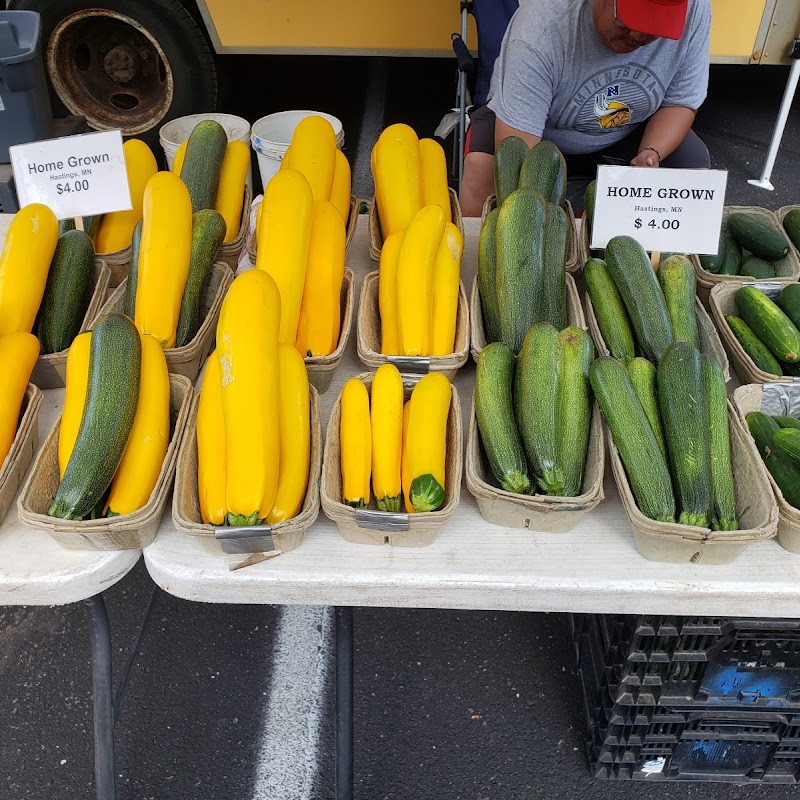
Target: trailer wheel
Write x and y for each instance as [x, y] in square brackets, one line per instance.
[125, 64]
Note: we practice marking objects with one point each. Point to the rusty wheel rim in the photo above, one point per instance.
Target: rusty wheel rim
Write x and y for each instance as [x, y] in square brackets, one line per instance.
[108, 68]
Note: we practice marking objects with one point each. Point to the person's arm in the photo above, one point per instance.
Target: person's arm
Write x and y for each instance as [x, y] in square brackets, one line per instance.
[503, 131]
[664, 131]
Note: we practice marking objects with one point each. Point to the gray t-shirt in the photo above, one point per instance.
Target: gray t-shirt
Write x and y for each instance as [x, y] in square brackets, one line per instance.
[554, 78]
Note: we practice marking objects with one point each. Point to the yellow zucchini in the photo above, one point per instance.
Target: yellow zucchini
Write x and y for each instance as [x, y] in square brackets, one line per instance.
[18, 354]
[116, 229]
[415, 280]
[386, 416]
[433, 169]
[387, 294]
[180, 155]
[74, 397]
[294, 410]
[287, 212]
[211, 460]
[397, 176]
[286, 162]
[24, 263]
[404, 473]
[163, 257]
[341, 189]
[318, 329]
[314, 154]
[143, 457]
[247, 352]
[446, 280]
[232, 179]
[355, 444]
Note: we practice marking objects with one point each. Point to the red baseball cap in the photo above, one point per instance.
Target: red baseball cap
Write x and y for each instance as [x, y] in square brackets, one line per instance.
[655, 17]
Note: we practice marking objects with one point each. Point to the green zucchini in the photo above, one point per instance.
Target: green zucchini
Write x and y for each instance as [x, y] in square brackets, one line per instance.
[536, 393]
[552, 289]
[679, 284]
[133, 273]
[769, 323]
[67, 293]
[791, 224]
[545, 171]
[612, 318]
[755, 267]
[732, 258]
[632, 273]
[589, 200]
[112, 395]
[91, 225]
[487, 272]
[644, 463]
[785, 470]
[714, 263]
[508, 159]
[208, 231]
[203, 162]
[494, 411]
[789, 302]
[643, 379]
[681, 401]
[759, 353]
[724, 492]
[787, 422]
[575, 414]
[758, 237]
[788, 440]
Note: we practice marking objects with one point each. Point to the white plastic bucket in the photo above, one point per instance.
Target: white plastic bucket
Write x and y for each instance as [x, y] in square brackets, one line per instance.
[272, 135]
[177, 131]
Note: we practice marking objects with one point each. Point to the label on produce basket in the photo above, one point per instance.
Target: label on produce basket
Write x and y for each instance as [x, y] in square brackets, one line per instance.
[665, 210]
[76, 176]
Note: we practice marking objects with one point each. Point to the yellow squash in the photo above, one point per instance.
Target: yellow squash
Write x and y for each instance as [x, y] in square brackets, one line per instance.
[74, 397]
[355, 443]
[18, 354]
[397, 175]
[314, 154]
[143, 457]
[295, 435]
[446, 280]
[318, 329]
[427, 441]
[163, 257]
[287, 212]
[247, 352]
[386, 415]
[24, 263]
[116, 229]
[341, 189]
[387, 294]
[232, 179]
[433, 168]
[211, 462]
[404, 473]
[180, 154]
[415, 280]
[286, 162]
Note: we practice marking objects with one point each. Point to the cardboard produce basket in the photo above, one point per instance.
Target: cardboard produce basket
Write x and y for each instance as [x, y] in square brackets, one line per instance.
[787, 268]
[781, 215]
[683, 544]
[370, 526]
[26, 442]
[125, 532]
[775, 399]
[369, 335]
[189, 359]
[264, 541]
[119, 265]
[478, 334]
[50, 371]
[710, 342]
[535, 512]
[376, 234]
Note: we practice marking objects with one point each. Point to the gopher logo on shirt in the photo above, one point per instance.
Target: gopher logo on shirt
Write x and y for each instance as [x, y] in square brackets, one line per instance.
[611, 113]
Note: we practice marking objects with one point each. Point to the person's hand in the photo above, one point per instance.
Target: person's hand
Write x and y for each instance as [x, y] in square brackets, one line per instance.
[647, 157]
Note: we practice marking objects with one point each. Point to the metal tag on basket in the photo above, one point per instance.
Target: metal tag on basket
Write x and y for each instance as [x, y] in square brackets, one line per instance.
[384, 521]
[770, 288]
[418, 365]
[781, 399]
[240, 541]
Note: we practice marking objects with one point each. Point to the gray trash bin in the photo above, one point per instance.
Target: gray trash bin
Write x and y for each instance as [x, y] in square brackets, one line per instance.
[25, 114]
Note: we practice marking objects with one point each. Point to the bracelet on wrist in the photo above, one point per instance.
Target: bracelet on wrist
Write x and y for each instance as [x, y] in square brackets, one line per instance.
[658, 155]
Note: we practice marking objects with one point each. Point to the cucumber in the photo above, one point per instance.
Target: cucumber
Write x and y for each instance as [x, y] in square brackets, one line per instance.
[791, 224]
[681, 401]
[792, 370]
[753, 346]
[133, 273]
[575, 414]
[208, 231]
[112, 395]
[202, 163]
[762, 428]
[552, 289]
[508, 159]
[612, 318]
[679, 284]
[644, 463]
[785, 471]
[755, 267]
[536, 403]
[494, 411]
[643, 379]
[789, 302]
[545, 171]
[724, 493]
[714, 263]
[787, 422]
[487, 272]
[67, 293]
[632, 273]
[769, 323]
[758, 237]
[732, 257]
[788, 440]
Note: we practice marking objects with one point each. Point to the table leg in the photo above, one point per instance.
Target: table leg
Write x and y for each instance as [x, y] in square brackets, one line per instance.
[103, 698]
[344, 703]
